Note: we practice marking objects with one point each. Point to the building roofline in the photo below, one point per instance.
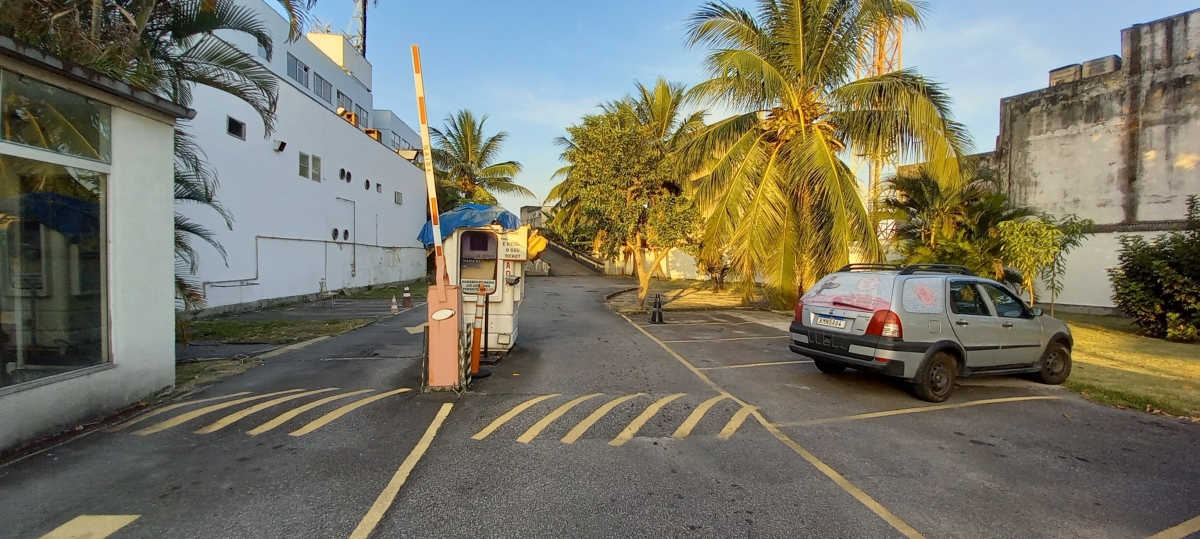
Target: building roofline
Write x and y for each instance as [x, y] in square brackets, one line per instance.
[90, 77]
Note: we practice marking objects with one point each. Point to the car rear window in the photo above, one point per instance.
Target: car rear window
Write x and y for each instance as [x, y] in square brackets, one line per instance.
[923, 295]
[859, 291]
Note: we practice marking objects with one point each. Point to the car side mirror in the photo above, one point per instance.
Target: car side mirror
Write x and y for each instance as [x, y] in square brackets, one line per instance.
[1036, 311]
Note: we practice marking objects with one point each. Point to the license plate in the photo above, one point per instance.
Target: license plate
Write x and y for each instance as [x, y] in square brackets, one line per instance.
[830, 321]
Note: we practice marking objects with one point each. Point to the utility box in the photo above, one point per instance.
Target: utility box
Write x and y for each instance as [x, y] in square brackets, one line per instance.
[494, 259]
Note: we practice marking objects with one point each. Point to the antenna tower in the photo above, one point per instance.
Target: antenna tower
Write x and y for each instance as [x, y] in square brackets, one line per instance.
[882, 52]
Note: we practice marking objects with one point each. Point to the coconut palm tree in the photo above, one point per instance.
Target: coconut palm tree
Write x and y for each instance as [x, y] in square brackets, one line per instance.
[465, 158]
[771, 181]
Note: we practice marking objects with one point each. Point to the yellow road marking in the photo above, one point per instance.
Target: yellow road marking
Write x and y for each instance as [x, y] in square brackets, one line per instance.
[637, 423]
[385, 499]
[541, 425]
[184, 418]
[734, 339]
[1179, 532]
[694, 418]
[914, 410]
[165, 409]
[91, 527]
[325, 419]
[600, 412]
[837, 478]
[748, 365]
[231, 418]
[290, 347]
[288, 415]
[507, 416]
[705, 323]
[735, 422]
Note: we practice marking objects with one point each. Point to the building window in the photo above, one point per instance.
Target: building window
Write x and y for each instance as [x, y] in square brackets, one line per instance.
[297, 70]
[52, 270]
[399, 197]
[363, 115]
[378, 187]
[322, 88]
[316, 168]
[304, 164]
[262, 51]
[345, 102]
[36, 114]
[235, 128]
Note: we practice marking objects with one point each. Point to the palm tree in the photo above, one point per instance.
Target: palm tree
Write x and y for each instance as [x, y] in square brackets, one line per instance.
[465, 158]
[771, 182]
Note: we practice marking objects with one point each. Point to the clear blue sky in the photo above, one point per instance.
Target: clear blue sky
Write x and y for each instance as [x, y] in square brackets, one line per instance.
[536, 67]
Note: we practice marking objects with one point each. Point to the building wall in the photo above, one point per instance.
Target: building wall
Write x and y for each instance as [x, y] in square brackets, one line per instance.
[1120, 147]
[281, 244]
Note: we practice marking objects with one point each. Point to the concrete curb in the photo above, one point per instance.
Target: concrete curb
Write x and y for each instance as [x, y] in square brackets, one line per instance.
[608, 297]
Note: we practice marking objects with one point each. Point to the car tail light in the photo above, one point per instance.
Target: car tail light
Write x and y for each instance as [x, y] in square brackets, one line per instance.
[885, 324]
[800, 311]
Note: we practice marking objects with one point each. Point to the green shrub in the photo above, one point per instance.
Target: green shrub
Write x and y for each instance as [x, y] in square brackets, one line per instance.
[1158, 282]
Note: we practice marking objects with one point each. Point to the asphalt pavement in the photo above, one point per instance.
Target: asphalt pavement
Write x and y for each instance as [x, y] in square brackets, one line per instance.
[602, 426]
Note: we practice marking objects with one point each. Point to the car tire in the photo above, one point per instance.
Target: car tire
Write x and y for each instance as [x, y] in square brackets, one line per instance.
[828, 367]
[1056, 365]
[935, 380]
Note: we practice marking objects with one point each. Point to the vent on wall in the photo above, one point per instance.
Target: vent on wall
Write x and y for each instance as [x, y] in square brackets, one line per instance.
[399, 197]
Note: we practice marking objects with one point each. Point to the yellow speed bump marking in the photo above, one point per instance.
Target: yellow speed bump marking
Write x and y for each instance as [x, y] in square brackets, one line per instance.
[541, 425]
[735, 422]
[325, 419]
[914, 410]
[748, 365]
[694, 418]
[1179, 532]
[288, 415]
[507, 416]
[385, 499]
[232, 418]
[290, 347]
[165, 409]
[735, 339]
[600, 412]
[637, 423]
[91, 527]
[184, 418]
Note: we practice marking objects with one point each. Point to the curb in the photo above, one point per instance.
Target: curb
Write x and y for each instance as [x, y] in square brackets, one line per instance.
[608, 297]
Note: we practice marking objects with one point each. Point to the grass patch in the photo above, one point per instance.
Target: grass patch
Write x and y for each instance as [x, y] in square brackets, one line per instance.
[190, 375]
[1116, 366]
[418, 289]
[270, 331]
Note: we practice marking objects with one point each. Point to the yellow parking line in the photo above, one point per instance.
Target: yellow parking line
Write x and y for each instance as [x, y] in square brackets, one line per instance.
[693, 419]
[735, 422]
[91, 527]
[1179, 532]
[832, 474]
[748, 365]
[590, 420]
[385, 499]
[541, 425]
[325, 419]
[705, 324]
[231, 418]
[165, 409]
[637, 423]
[507, 416]
[290, 347]
[288, 415]
[733, 339]
[915, 410]
[184, 418]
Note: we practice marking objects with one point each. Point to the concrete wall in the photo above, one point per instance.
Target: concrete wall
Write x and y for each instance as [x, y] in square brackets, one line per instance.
[140, 287]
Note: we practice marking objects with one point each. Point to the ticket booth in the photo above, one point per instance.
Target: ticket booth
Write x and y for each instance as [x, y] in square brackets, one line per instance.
[492, 258]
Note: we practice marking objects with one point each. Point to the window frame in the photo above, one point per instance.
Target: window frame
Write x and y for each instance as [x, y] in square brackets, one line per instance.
[314, 168]
[987, 307]
[343, 100]
[363, 115]
[305, 165]
[229, 120]
[319, 82]
[297, 69]
[1025, 312]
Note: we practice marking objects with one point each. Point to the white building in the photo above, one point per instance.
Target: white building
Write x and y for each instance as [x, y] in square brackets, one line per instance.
[86, 292]
[319, 200]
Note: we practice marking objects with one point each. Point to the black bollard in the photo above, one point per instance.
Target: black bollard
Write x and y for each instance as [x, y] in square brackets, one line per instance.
[656, 315]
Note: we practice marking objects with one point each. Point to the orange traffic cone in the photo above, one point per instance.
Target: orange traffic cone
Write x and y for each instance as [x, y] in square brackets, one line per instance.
[395, 309]
[407, 298]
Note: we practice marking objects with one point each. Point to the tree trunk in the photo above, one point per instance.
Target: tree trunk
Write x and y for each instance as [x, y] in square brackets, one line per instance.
[639, 270]
[1029, 287]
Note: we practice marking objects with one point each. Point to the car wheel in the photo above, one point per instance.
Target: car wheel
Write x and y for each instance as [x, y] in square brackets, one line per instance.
[935, 381]
[1056, 365]
[828, 367]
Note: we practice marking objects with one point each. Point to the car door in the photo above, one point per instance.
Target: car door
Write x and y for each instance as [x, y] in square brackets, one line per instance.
[1022, 332]
[977, 329]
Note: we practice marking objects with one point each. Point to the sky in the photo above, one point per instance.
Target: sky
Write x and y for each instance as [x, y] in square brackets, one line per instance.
[537, 67]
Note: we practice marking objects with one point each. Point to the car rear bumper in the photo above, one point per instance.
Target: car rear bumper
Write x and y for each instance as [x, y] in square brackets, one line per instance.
[854, 351]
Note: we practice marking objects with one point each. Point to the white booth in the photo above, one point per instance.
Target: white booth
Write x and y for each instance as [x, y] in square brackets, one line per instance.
[494, 259]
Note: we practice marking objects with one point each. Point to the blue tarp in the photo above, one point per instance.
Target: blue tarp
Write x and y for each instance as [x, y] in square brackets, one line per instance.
[467, 216]
[72, 217]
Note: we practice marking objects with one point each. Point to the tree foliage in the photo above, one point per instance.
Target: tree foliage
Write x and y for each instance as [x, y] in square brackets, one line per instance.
[1030, 247]
[466, 162]
[1072, 233]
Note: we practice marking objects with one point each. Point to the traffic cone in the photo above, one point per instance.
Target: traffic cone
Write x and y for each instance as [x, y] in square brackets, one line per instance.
[656, 316]
[407, 298]
[395, 309]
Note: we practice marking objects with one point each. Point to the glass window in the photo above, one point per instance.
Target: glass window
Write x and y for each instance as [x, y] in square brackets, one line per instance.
[304, 164]
[52, 281]
[923, 295]
[43, 116]
[344, 101]
[235, 128]
[297, 70]
[966, 299]
[1007, 305]
[322, 88]
[363, 116]
[316, 169]
[262, 51]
